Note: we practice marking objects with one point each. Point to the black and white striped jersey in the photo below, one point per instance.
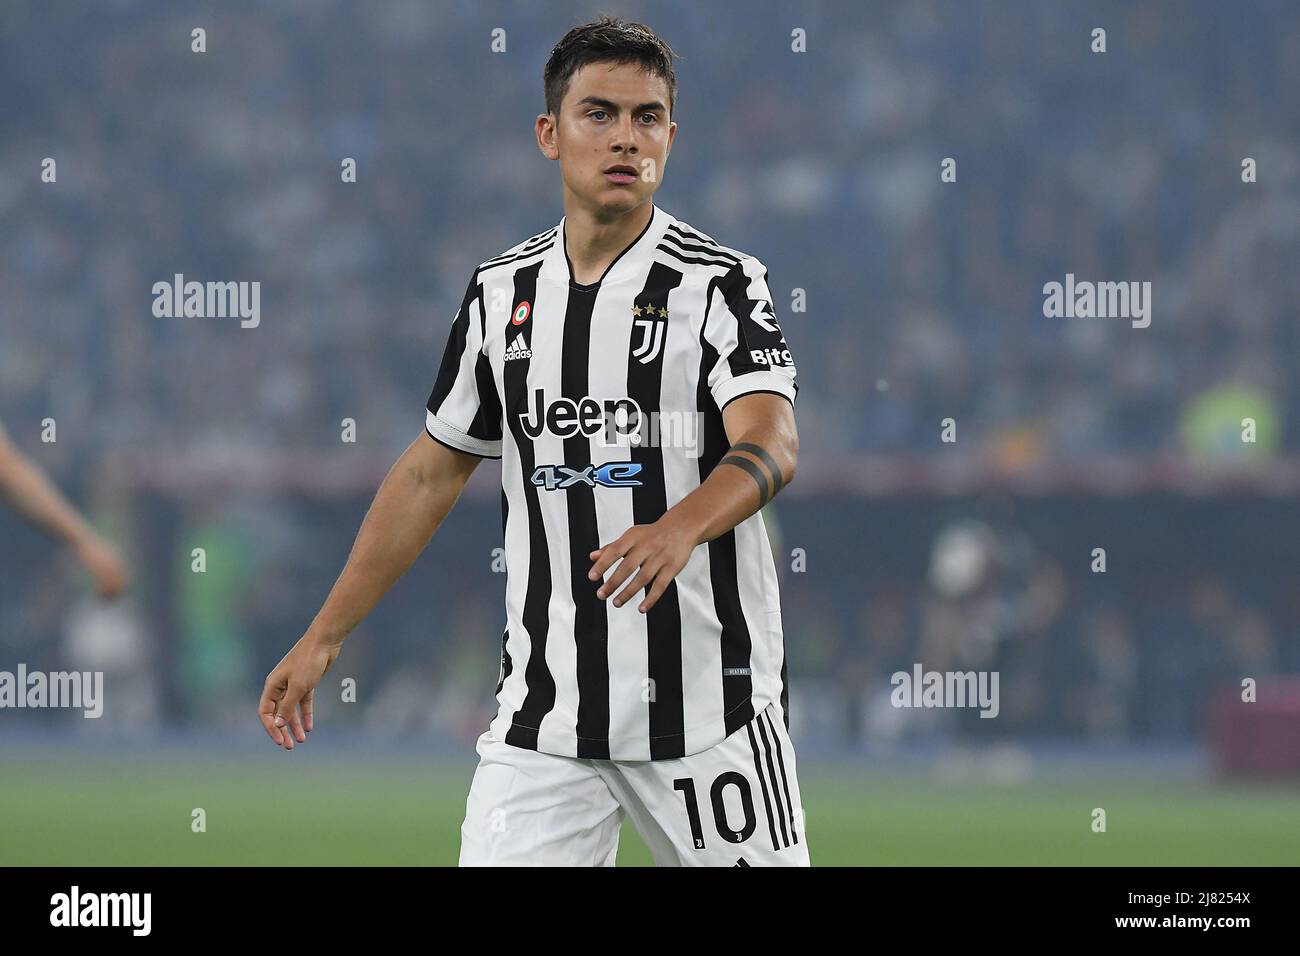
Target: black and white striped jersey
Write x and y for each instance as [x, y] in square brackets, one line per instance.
[604, 403]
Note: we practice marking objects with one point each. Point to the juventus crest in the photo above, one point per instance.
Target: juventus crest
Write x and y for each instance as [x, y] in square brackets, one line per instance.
[650, 324]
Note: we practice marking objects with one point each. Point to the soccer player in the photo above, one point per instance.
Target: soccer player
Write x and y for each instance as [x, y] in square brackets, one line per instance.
[630, 374]
[30, 492]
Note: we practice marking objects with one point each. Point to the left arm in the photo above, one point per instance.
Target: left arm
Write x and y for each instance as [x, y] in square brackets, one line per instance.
[25, 486]
[760, 462]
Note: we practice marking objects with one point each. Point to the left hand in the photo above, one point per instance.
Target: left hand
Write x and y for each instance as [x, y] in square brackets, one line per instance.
[657, 552]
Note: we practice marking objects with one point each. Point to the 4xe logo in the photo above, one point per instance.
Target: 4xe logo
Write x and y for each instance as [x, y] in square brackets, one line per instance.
[613, 474]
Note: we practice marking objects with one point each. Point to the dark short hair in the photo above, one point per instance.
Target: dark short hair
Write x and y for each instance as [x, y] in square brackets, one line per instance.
[609, 39]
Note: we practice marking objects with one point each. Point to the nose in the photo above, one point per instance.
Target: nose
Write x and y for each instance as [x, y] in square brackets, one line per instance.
[623, 138]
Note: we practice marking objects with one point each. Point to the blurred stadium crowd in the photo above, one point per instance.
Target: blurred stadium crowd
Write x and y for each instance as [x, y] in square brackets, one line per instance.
[924, 302]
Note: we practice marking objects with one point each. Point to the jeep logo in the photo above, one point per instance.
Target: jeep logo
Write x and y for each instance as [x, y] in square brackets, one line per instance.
[565, 417]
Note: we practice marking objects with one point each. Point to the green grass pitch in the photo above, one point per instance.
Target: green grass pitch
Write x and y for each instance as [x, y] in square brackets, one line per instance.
[279, 810]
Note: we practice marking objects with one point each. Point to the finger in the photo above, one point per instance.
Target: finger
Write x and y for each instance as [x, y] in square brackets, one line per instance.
[662, 580]
[285, 714]
[266, 710]
[268, 724]
[640, 581]
[629, 564]
[111, 581]
[608, 555]
[306, 706]
[296, 720]
[293, 724]
[119, 577]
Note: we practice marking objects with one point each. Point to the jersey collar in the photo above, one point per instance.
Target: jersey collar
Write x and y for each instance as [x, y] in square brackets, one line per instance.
[629, 264]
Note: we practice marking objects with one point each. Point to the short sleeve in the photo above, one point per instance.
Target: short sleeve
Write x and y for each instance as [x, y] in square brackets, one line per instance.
[464, 411]
[740, 325]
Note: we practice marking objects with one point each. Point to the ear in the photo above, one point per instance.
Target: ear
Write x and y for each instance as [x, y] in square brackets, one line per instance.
[546, 130]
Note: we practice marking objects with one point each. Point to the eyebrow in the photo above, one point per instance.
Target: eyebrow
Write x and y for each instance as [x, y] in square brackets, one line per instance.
[654, 106]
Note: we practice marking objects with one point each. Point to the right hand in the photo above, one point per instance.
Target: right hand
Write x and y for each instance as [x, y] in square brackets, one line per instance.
[286, 706]
[102, 560]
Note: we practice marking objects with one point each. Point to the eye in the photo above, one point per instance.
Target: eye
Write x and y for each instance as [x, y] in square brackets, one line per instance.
[593, 114]
[653, 118]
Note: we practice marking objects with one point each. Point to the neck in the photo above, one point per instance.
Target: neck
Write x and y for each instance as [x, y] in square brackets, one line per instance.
[592, 240]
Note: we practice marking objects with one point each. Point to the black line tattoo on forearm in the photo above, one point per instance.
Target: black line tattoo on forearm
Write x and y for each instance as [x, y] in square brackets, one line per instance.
[766, 490]
[754, 472]
[762, 455]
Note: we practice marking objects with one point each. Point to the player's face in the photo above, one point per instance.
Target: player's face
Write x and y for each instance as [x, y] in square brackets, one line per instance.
[613, 115]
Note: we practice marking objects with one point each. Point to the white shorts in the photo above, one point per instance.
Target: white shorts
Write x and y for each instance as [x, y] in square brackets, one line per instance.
[735, 804]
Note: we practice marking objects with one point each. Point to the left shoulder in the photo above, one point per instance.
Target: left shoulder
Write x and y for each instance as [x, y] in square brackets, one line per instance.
[699, 248]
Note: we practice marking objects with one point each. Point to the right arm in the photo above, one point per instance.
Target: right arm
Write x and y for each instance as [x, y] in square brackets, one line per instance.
[412, 502]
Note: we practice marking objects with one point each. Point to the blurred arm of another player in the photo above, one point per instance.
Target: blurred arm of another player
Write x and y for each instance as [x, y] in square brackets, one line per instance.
[419, 491]
[31, 493]
[760, 462]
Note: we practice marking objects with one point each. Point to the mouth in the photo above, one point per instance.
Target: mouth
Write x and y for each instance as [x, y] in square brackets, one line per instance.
[621, 175]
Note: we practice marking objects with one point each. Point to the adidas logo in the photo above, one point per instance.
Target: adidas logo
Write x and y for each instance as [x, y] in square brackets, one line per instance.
[518, 349]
